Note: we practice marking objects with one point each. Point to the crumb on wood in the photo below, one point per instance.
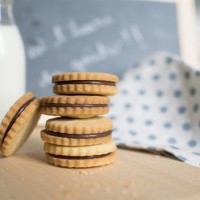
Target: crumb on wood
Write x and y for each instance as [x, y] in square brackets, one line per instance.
[125, 192]
[92, 184]
[84, 172]
[156, 156]
[21, 178]
[55, 195]
[129, 184]
[69, 193]
[61, 186]
[134, 194]
[62, 194]
[5, 168]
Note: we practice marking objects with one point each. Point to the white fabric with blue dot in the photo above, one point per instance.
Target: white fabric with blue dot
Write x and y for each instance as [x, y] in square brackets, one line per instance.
[158, 108]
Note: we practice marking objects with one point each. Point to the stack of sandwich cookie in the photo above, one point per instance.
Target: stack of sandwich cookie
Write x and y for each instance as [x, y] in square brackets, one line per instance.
[79, 138]
[79, 142]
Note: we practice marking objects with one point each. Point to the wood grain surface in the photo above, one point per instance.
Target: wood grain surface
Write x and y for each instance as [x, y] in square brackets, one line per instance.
[135, 175]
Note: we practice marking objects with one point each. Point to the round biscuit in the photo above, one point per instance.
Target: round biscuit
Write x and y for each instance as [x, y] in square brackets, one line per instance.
[87, 89]
[64, 141]
[66, 126]
[14, 135]
[62, 87]
[80, 151]
[97, 124]
[95, 105]
[84, 76]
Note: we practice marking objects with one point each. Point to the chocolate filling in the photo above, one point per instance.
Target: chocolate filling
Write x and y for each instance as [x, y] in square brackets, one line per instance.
[93, 82]
[65, 105]
[78, 157]
[18, 113]
[79, 136]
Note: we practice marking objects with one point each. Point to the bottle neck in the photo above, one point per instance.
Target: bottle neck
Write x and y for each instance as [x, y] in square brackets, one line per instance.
[6, 15]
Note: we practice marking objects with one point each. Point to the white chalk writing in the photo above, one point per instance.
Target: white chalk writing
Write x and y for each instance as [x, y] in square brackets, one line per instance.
[36, 49]
[45, 79]
[101, 52]
[39, 46]
[89, 27]
[126, 36]
[137, 35]
[59, 35]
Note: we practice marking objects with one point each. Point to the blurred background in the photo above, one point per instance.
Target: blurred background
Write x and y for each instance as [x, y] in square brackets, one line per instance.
[102, 35]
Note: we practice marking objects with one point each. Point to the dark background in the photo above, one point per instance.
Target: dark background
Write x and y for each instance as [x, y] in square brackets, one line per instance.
[91, 35]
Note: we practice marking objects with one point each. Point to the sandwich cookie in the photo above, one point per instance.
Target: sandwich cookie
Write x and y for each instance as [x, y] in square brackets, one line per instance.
[19, 123]
[75, 106]
[85, 83]
[81, 157]
[77, 132]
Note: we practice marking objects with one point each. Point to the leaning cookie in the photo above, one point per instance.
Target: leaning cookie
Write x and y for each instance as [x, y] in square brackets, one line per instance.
[77, 132]
[75, 106]
[19, 123]
[81, 157]
[85, 83]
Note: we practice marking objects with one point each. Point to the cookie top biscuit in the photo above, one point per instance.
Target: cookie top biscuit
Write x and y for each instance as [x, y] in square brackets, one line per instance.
[79, 126]
[19, 123]
[85, 83]
[75, 101]
[73, 76]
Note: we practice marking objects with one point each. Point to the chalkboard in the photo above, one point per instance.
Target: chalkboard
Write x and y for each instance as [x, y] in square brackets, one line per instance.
[91, 35]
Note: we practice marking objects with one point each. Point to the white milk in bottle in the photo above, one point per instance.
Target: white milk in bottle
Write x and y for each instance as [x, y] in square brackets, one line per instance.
[12, 59]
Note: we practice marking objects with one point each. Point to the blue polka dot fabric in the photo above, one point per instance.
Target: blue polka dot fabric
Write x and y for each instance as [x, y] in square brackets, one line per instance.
[158, 107]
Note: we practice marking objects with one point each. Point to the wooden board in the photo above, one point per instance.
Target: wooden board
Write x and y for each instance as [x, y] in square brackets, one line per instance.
[135, 175]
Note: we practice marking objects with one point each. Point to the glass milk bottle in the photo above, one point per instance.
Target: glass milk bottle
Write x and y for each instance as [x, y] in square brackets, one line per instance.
[12, 59]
